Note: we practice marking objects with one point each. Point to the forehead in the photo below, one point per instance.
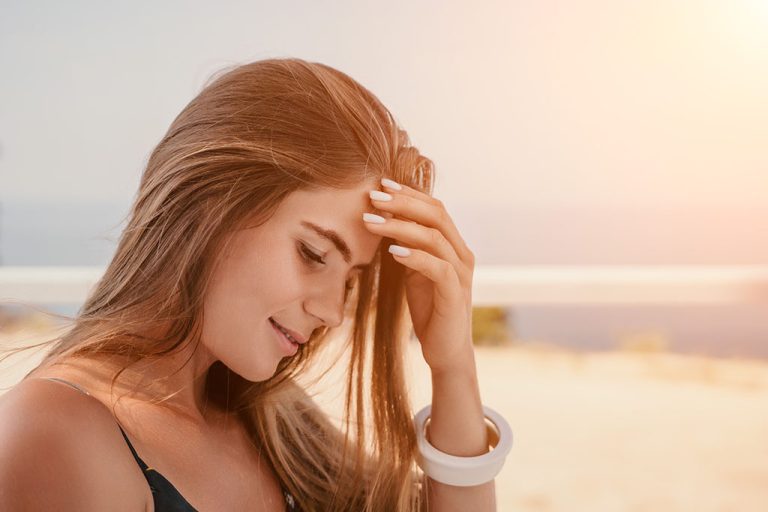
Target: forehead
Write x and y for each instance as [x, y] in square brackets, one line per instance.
[339, 210]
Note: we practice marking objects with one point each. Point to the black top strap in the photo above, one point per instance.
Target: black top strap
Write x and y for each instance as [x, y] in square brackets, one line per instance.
[133, 450]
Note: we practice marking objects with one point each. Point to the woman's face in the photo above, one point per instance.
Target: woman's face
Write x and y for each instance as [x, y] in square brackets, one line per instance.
[270, 272]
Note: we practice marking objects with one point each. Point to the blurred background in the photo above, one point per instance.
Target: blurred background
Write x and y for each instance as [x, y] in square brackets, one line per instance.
[605, 160]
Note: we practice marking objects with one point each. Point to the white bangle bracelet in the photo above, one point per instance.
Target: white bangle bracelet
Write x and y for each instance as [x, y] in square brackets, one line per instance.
[464, 471]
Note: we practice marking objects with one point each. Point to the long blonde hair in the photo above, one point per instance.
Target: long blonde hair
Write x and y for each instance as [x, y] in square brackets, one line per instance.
[254, 134]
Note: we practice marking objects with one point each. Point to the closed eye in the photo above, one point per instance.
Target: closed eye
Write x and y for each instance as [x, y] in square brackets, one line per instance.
[311, 256]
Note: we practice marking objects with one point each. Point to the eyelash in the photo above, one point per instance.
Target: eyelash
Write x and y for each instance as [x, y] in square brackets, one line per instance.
[315, 258]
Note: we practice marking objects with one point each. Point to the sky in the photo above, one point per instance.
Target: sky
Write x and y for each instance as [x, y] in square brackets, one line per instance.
[564, 132]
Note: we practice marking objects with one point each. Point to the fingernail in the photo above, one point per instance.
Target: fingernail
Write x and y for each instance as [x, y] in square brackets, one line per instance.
[372, 217]
[391, 184]
[380, 196]
[399, 250]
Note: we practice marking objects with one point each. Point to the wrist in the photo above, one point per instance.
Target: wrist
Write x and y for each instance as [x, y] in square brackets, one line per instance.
[463, 365]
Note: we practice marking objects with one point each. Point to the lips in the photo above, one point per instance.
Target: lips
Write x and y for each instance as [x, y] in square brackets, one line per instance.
[298, 337]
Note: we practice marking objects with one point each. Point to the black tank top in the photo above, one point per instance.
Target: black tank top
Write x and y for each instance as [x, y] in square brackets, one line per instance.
[165, 496]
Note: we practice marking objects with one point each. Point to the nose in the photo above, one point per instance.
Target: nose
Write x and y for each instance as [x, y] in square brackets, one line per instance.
[328, 304]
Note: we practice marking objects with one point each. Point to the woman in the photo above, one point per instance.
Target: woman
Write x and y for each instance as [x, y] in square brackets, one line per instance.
[176, 389]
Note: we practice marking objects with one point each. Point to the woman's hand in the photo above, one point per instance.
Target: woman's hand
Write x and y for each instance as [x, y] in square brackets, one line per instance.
[438, 277]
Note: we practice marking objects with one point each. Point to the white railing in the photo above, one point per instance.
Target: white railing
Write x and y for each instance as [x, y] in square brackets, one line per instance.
[492, 284]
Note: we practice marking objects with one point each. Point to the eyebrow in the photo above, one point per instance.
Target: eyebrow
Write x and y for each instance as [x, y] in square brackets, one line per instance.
[336, 239]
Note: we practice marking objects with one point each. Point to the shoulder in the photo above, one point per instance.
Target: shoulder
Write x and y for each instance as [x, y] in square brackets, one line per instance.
[62, 450]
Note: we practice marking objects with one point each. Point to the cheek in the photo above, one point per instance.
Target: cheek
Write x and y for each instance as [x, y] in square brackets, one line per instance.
[244, 296]
[279, 281]
[259, 277]
[230, 311]
[243, 293]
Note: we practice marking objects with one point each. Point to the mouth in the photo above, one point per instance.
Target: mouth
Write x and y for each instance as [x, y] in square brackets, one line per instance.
[293, 336]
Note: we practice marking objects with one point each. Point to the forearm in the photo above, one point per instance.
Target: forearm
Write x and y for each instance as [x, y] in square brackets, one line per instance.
[457, 427]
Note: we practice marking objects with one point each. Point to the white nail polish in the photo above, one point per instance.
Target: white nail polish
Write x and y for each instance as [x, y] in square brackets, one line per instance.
[372, 217]
[379, 195]
[399, 250]
[391, 184]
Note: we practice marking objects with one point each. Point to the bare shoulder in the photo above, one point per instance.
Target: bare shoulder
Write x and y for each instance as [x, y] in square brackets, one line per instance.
[62, 450]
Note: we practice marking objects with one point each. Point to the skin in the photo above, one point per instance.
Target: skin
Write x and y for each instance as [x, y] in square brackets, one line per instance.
[263, 274]
[204, 452]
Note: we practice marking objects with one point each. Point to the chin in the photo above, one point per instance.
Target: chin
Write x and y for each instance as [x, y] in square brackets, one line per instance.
[251, 373]
[259, 374]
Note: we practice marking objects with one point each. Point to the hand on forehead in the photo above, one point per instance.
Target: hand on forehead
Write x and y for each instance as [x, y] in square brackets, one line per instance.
[382, 213]
[373, 209]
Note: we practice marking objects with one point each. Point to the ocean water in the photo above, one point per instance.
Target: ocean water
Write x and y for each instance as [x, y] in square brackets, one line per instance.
[720, 330]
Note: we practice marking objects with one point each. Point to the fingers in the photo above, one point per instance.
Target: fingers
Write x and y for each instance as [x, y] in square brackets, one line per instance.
[412, 204]
[423, 222]
[440, 272]
[415, 235]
